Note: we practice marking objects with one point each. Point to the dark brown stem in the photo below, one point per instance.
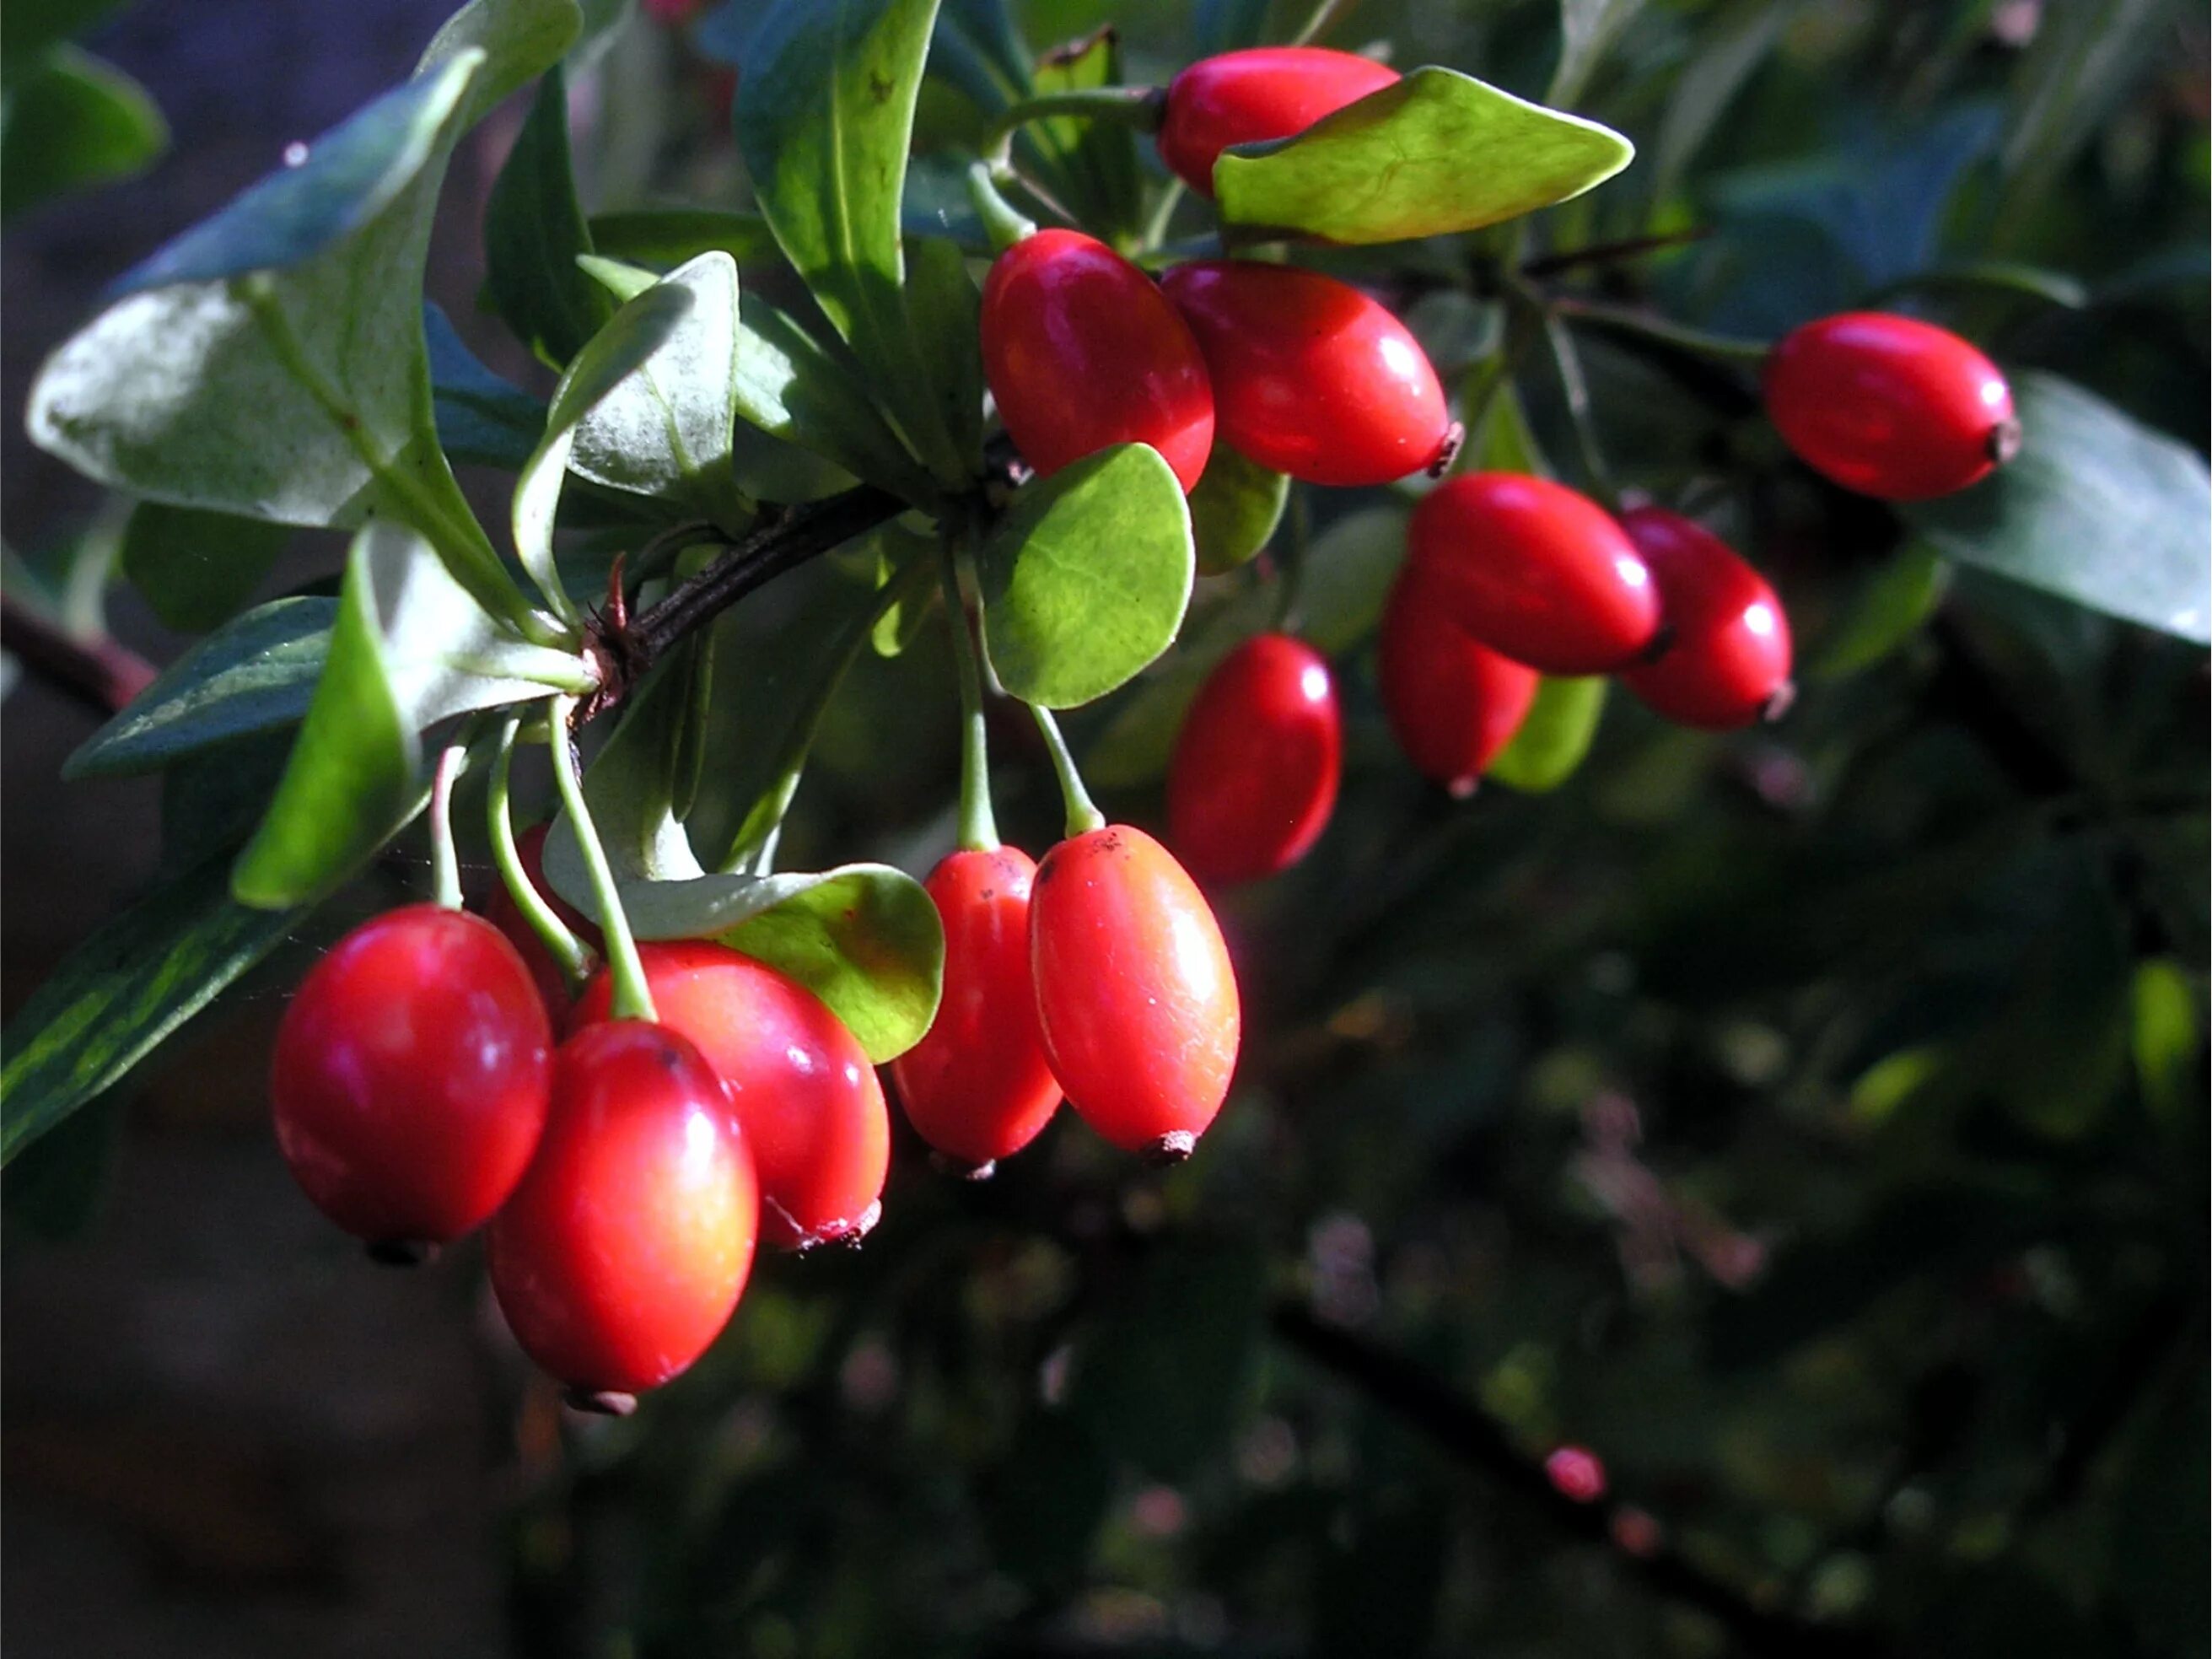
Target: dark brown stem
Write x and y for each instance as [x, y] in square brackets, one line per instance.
[1462, 1429]
[104, 674]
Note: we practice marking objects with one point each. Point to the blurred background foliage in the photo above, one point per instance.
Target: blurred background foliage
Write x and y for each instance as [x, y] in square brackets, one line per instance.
[1811, 1124]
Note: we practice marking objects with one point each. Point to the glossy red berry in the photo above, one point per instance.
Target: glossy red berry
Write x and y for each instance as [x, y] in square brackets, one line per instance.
[1534, 570]
[1311, 377]
[623, 1252]
[1453, 703]
[1727, 658]
[1249, 97]
[1256, 769]
[1134, 991]
[801, 1086]
[1575, 1473]
[1082, 351]
[1890, 406]
[410, 1075]
[502, 911]
[978, 1087]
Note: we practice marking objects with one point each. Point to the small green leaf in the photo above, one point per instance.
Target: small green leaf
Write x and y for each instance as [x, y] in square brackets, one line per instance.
[621, 281]
[28, 27]
[1889, 609]
[1555, 738]
[947, 310]
[481, 418]
[2169, 1037]
[534, 229]
[408, 646]
[1434, 152]
[122, 991]
[618, 354]
[2095, 507]
[824, 127]
[1092, 164]
[1086, 577]
[791, 387]
[76, 123]
[1345, 579]
[668, 237]
[977, 47]
[196, 569]
[1135, 745]
[1502, 440]
[1235, 509]
[255, 675]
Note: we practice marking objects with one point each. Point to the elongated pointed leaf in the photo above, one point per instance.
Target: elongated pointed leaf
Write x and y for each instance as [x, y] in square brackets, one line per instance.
[2096, 508]
[255, 675]
[534, 228]
[75, 123]
[824, 125]
[791, 387]
[947, 309]
[1090, 165]
[195, 568]
[1434, 153]
[407, 648]
[121, 991]
[1086, 578]
[1555, 738]
[270, 361]
[664, 238]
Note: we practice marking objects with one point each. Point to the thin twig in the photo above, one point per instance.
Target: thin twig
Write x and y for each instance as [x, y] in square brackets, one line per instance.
[104, 674]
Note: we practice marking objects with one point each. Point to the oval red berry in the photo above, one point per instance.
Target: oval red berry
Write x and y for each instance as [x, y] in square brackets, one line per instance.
[1727, 657]
[1311, 377]
[1249, 97]
[1890, 406]
[978, 1087]
[1255, 768]
[800, 1085]
[1135, 995]
[410, 1074]
[1453, 703]
[1534, 570]
[623, 1254]
[1082, 351]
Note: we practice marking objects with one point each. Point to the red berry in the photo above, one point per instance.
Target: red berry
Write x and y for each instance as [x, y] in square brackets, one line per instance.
[1249, 97]
[502, 911]
[1134, 991]
[1256, 770]
[1311, 377]
[1534, 570]
[410, 1077]
[623, 1254]
[1575, 1473]
[1889, 406]
[801, 1086]
[978, 1087]
[1082, 351]
[1453, 703]
[1727, 658]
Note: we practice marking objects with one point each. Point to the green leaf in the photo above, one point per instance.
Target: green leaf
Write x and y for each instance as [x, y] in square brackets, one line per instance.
[1345, 579]
[947, 310]
[1135, 745]
[621, 281]
[1434, 153]
[616, 371]
[28, 27]
[1090, 165]
[1555, 738]
[1889, 609]
[481, 418]
[257, 674]
[196, 569]
[122, 991]
[76, 123]
[533, 230]
[1503, 440]
[1086, 579]
[977, 47]
[1588, 29]
[1234, 510]
[1732, 48]
[668, 237]
[2096, 508]
[2168, 1035]
[270, 361]
[824, 127]
[408, 647]
[791, 387]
